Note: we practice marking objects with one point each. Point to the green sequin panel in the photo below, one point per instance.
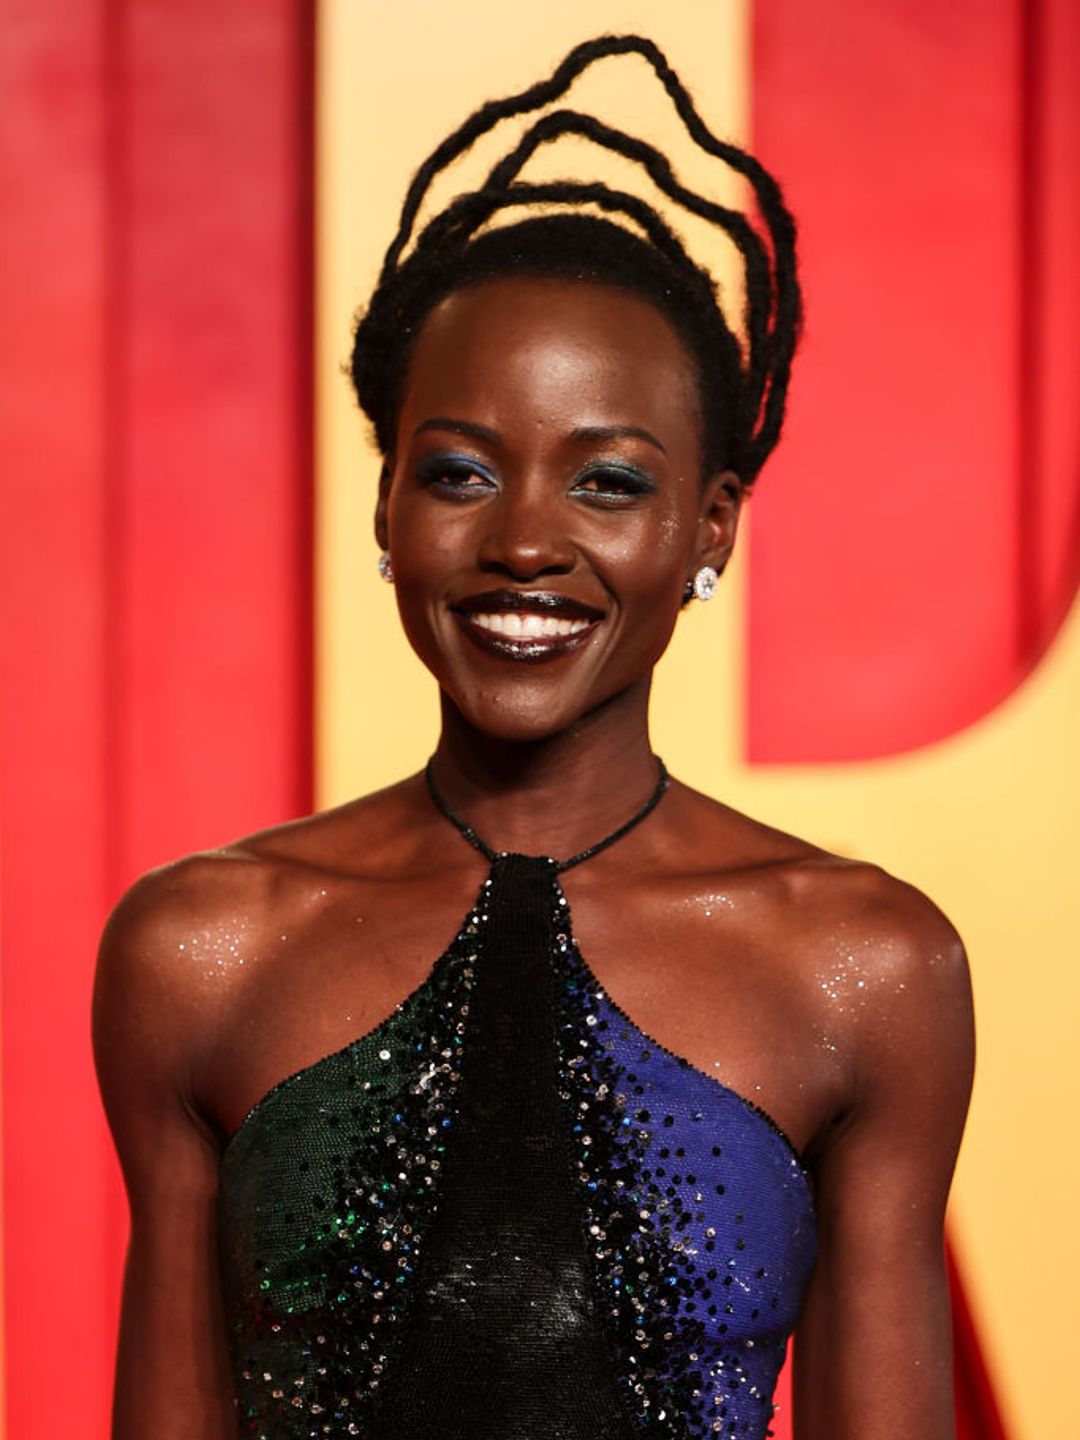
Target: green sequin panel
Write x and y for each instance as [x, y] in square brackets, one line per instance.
[326, 1192]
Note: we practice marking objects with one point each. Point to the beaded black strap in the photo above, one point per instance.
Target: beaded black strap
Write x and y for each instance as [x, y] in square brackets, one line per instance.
[560, 865]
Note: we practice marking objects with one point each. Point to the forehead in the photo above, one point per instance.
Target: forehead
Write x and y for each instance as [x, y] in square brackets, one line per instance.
[547, 351]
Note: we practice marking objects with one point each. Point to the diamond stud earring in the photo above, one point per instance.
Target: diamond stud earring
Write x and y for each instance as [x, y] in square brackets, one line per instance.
[705, 583]
[386, 570]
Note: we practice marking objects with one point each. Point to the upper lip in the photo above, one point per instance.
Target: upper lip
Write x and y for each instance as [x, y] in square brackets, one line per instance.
[542, 602]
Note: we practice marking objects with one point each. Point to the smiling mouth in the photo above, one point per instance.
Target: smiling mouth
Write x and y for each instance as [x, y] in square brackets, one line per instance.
[526, 626]
[517, 625]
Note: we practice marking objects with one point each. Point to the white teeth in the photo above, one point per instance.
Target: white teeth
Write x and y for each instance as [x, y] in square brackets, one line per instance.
[525, 625]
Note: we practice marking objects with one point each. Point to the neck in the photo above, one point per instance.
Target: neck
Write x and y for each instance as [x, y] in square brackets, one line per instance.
[554, 795]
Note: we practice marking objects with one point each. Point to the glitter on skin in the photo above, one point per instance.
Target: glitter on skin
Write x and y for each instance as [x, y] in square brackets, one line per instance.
[850, 981]
[219, 949]
[708, 904]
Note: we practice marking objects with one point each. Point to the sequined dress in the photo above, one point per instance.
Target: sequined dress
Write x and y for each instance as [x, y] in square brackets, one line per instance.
[507, 1214]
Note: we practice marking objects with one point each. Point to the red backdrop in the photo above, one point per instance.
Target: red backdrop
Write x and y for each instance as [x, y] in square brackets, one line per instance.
[924, 506]
[155, 172]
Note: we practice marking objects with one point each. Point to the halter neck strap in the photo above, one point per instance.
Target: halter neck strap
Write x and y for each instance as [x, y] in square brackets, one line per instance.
[475, 840]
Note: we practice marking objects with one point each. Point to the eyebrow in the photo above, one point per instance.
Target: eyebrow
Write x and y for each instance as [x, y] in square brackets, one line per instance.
[617, 432]
[583, 432]
[460, 427]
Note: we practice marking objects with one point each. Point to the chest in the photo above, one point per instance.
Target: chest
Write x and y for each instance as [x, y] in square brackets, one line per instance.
[717, 976]
[507, 1145]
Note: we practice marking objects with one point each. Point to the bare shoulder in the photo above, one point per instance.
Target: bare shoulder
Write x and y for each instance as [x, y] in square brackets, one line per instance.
[896, 925]
[885, 975]
[161, 918]
[848, 905]
[213, 898]
[893, 945]
[876, 970]
[883, 953]
[175, 952]
[888, 979]
[159, 986]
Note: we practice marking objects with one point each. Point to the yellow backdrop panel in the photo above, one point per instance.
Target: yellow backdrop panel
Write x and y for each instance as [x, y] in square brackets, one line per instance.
[984, 822]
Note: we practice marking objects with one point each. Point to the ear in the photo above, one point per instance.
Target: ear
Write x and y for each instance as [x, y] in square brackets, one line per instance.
[382, 536]
[718, 519]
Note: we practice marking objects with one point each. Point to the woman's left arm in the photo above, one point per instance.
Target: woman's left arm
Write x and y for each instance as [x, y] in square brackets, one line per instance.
[873, 1348]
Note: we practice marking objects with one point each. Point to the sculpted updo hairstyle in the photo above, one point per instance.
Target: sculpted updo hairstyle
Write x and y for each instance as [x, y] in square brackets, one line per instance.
[742, 390]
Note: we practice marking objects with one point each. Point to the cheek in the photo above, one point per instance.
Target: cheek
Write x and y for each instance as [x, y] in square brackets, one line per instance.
[659, 550]
[417, 529]
[647, 573]
[674, 532]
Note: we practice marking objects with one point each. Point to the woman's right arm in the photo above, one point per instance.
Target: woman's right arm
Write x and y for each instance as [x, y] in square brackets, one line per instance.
[153, 1015]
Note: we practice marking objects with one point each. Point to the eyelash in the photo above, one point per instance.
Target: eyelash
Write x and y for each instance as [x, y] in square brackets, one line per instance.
[631, 482]
[447, 474]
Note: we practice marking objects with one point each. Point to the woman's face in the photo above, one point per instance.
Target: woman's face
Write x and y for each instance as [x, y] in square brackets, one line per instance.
[544, 507]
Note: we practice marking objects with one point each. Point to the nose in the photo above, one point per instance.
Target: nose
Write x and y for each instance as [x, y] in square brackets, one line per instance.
[525, 535]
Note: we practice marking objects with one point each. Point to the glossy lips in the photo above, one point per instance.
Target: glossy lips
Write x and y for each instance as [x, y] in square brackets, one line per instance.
[531, 625]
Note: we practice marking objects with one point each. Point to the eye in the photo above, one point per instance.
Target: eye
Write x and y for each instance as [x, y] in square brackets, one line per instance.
[611, 483]
[455, 476]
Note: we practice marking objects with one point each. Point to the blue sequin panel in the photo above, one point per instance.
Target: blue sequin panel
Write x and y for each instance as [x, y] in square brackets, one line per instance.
[699, 1217]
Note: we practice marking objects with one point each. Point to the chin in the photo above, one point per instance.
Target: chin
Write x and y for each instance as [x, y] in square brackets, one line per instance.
[521, 712]
[514, 723]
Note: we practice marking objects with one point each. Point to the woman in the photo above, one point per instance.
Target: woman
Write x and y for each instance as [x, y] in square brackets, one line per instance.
[520, 1190]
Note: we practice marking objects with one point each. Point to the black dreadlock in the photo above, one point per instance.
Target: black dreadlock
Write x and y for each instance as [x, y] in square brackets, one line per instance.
[742, 400]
